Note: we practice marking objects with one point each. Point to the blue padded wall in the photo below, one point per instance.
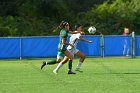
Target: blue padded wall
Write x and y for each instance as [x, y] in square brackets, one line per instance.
[9, 47]
[114, 45]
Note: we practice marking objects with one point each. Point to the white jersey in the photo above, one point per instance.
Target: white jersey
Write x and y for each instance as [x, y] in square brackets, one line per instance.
[74, 40]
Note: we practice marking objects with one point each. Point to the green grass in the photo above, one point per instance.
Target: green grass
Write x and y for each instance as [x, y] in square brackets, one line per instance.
[108, 75]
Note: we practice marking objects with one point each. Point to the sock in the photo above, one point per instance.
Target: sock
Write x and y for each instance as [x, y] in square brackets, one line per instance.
[70, 65]
[51, 62]
[79, 65]
[58, 66]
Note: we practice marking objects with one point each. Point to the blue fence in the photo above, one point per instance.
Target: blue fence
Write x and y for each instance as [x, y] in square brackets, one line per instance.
[47, 46]
[137, 45]
[114, 45]
[39, 46]
[9, 47]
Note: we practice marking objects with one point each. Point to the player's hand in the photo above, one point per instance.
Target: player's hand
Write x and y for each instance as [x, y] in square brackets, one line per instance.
[90, 41]
[83, 33]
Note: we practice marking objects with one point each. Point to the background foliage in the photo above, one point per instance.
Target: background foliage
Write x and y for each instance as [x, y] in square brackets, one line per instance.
[41, 17]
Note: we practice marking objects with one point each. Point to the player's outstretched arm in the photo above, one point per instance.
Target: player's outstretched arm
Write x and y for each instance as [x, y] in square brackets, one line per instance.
[83, 39]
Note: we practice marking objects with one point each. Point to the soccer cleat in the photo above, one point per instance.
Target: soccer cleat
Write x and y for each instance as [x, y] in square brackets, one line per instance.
[70, 72]
[43, 64]
[55, 72]
[78, 69]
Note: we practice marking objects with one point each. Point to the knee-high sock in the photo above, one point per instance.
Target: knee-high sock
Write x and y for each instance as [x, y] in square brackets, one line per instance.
[51, 62]
[58, 66]
[79, 65]
[70, 65]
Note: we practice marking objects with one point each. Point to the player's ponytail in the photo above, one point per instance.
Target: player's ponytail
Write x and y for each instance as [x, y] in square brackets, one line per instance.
[63, 24]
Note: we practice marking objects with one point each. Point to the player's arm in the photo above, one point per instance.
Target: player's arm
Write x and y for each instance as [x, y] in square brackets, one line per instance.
[65, 43]
[83, 39]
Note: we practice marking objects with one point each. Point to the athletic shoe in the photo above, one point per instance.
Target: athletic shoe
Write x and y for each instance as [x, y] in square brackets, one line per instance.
[70, 72]
[127, 55]
[43, 64]
[78, 69]
[55, 72]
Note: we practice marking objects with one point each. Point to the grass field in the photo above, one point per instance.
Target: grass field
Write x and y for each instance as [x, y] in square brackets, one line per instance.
[108, 75]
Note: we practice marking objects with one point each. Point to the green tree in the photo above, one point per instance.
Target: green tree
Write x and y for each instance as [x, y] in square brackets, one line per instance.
[112, 17]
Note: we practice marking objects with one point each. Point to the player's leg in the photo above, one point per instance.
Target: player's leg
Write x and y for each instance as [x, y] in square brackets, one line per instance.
[70, 56]
[60, 64]
[51, 62]
[60, 56]
[66, 58]
[70, 62]
[81, 60]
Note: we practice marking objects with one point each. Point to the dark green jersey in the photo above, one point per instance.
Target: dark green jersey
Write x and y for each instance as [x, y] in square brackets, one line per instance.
[63, 35]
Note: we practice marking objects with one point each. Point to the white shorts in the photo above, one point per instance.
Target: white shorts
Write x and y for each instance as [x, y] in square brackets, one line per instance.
[73, 51]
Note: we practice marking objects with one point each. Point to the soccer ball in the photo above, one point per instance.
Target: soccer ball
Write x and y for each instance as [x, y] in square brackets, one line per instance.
[91, 29]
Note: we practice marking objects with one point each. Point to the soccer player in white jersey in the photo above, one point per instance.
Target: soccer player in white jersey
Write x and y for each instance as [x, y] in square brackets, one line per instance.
[73, 50]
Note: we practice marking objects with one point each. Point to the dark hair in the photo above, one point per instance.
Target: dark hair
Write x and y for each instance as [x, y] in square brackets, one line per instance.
[71, 29]
[77, 26]
[63, 24]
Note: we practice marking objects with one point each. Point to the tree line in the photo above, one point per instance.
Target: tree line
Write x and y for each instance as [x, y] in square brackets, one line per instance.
[41, 17]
